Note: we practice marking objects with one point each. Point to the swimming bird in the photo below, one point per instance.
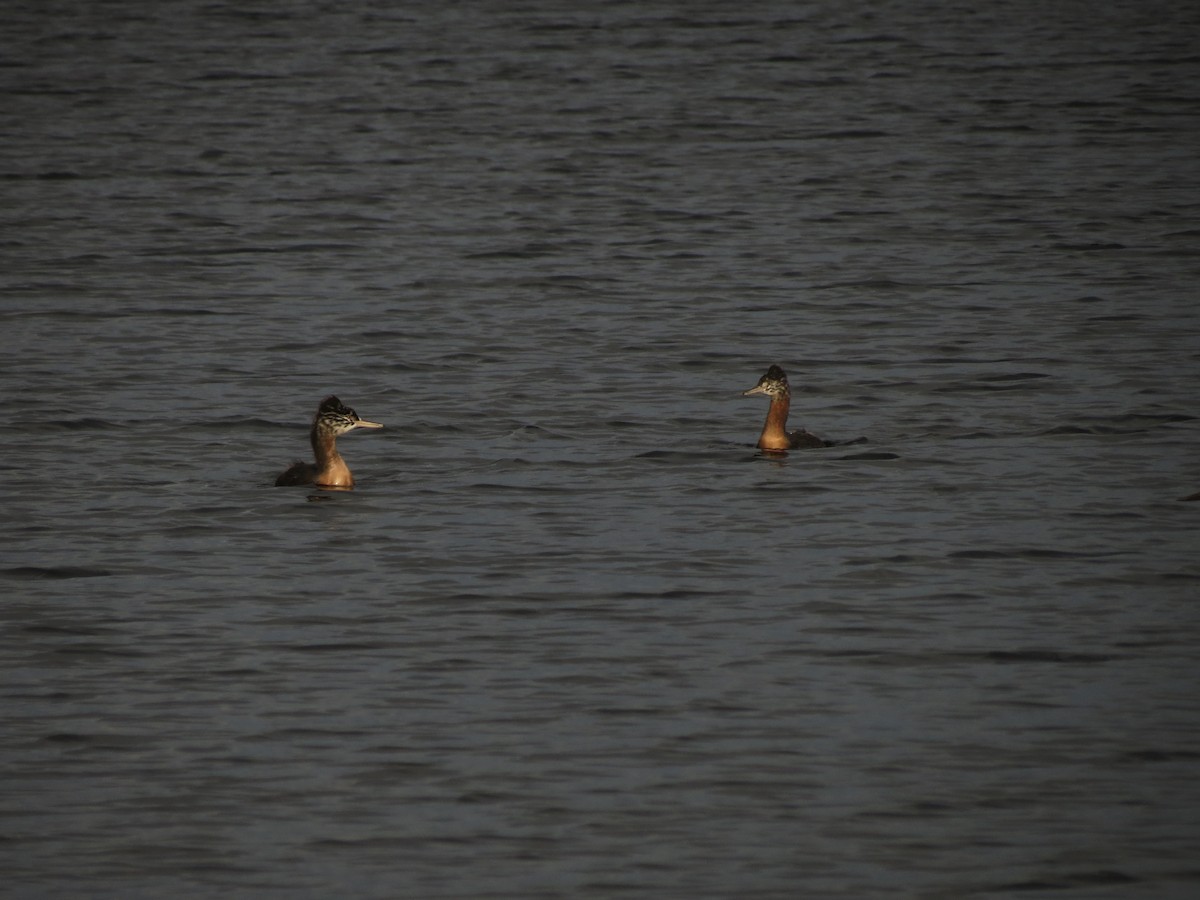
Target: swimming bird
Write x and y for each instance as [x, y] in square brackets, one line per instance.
[330, 470]
[775, 435]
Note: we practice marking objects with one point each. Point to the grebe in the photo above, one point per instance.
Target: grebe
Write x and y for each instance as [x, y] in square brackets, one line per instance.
[330, 470]
[775, 435]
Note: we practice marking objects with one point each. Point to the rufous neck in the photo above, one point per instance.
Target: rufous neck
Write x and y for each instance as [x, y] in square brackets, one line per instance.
[324, 446]
[332, 470]
[774, 434]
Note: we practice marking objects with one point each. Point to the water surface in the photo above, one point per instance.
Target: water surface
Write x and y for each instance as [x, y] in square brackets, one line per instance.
[572, 635]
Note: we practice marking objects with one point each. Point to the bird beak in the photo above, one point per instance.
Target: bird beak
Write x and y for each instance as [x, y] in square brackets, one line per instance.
[757, 389]
[363, 423]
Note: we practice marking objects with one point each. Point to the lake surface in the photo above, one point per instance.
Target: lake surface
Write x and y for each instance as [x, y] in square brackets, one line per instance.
[572, 635]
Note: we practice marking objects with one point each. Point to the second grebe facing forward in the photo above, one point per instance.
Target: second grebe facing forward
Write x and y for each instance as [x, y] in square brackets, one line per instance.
[330, 470]
[775, 435]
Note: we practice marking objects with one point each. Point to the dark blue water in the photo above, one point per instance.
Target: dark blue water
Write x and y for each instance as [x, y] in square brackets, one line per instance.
[571, 634]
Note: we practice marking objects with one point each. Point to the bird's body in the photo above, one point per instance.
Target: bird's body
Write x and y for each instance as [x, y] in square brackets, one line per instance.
[775, 436]
[329, 470]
